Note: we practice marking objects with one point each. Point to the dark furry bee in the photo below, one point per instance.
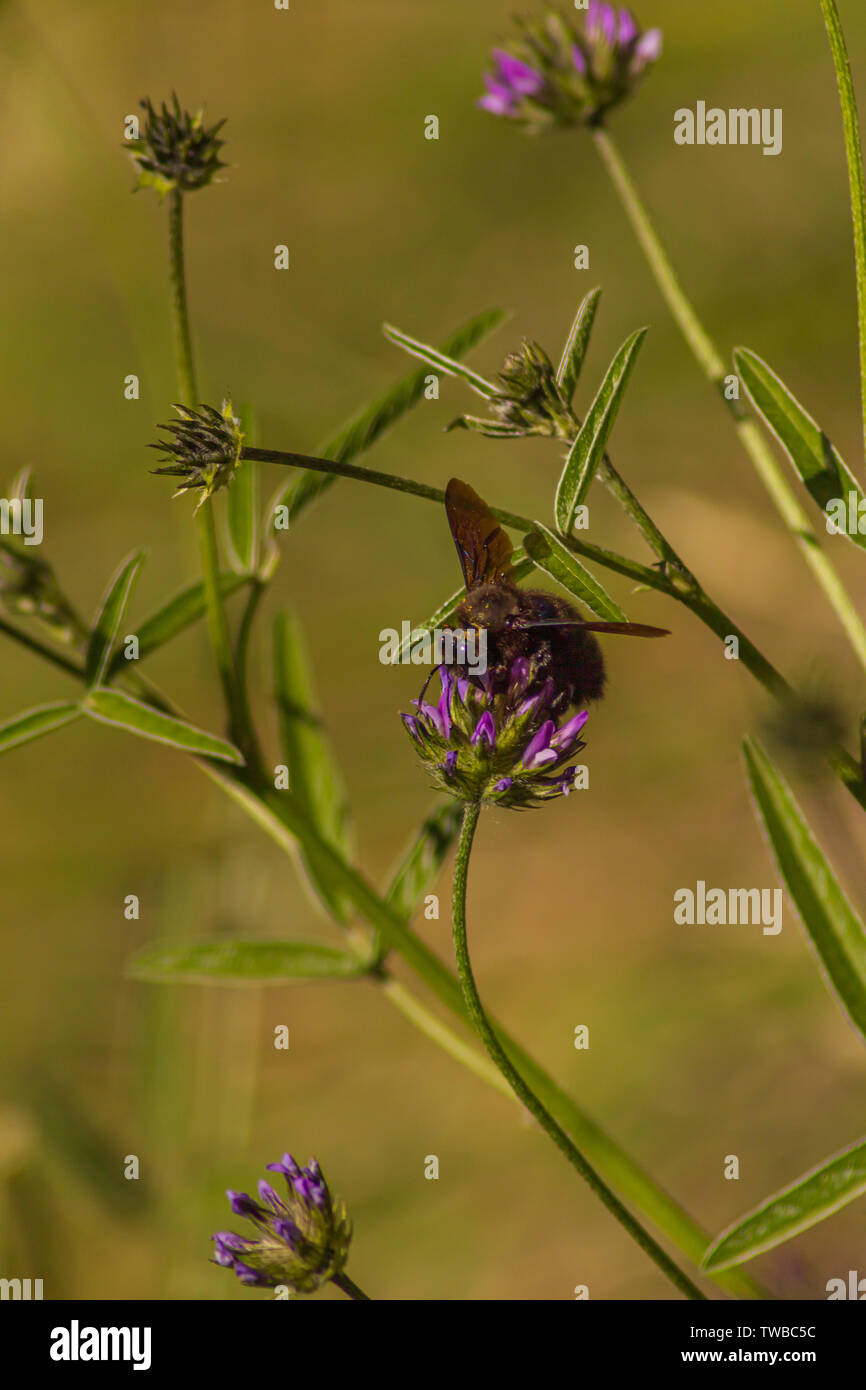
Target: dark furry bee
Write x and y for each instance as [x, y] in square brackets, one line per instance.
[529, 623]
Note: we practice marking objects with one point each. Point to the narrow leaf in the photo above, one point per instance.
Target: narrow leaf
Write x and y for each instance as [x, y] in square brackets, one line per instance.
[36, 722]
[186, 608]
[109, 618]
[834, 927]
[110, 707]
[423, 859]
[439, 360]
[242, 963]
[817, 1195]
[242, 506]
[574, 352]
[370, 424]
[587, 451]
[819, 465]
[313, 776]
[550, 555]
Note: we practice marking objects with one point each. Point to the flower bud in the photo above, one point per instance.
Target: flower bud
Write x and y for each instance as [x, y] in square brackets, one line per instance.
[204, 447]
[303, 1238]
[176, 149]
[529, 400]
[556, 74]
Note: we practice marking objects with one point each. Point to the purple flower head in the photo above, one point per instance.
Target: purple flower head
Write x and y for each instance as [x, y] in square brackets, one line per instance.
[558, 72]
[302, 1238]
[510, 738]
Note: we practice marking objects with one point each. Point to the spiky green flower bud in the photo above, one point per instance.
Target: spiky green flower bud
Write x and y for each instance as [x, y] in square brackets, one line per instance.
[176, 149]
[204, 447]
[529, 400]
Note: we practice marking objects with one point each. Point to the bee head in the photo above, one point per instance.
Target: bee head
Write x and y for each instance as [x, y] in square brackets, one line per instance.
[490, 606]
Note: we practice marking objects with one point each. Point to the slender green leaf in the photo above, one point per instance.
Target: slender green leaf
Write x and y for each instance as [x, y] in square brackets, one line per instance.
[588, 449]
[313, 776]
[820, 466]
[370, 424]
[36, 722]
[109, 618]
[186, 608]
[550, 555]
[834, 927]
[574, 352]
[110, 707]
[813, 1197]
[440, 360]
[242, 962]
[521, 566]
[420, 865]
[242, 505]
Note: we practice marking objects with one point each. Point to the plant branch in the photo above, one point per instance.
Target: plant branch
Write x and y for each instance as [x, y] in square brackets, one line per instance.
[709, 359]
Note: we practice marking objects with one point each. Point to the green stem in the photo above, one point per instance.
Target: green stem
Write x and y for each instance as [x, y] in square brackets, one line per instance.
[350, 1288]
[524, 1092]
[709, 359]
[217, 621]
[854, 156]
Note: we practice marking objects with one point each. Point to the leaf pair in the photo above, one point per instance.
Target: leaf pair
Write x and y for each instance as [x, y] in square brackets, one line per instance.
[101, 662]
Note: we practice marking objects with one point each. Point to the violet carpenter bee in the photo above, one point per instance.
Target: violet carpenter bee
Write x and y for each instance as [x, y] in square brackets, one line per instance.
[546, 630]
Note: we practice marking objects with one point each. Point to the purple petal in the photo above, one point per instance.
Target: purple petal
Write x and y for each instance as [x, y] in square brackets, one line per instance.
[538, 744]
[270, 1198]
[242, 1204]
[503, 784]
[608, 23]
[412, 725]
[627, 27]
[485, 730]
[497, 105]
[450, 763]
[577, 57]
[517, 75]
[432, 715]
[647, 49]
[569, 732]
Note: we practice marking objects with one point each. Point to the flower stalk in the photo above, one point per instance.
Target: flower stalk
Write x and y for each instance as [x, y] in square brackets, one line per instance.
[707, 355]
[521, 1089]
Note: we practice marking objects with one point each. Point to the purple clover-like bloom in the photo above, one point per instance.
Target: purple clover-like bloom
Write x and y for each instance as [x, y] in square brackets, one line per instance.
[559, 73]
[302, 1239]
[512, 743]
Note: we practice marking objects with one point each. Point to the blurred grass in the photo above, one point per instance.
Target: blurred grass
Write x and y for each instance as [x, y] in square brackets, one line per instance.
[702, 1043]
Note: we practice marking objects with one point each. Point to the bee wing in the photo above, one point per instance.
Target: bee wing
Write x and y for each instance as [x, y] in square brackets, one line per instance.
[483, 548]
[621, 629]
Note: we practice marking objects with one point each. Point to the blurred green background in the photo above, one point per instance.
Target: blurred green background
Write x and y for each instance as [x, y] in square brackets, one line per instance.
[704, 1042]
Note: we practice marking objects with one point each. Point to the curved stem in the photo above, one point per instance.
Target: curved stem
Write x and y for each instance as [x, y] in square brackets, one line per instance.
[709, 359]
[854, 156]
[523, 1092]
[350, 1288]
